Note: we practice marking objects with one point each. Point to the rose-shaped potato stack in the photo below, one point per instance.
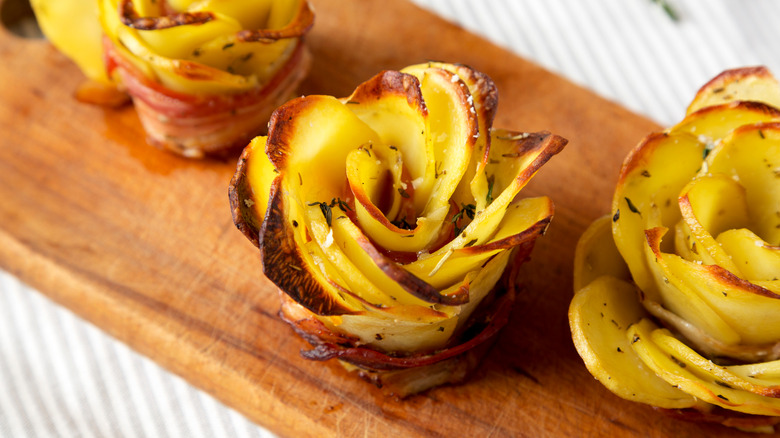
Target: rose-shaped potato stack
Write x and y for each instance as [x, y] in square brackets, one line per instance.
[388, 218]
[204, 76]
[677, 297]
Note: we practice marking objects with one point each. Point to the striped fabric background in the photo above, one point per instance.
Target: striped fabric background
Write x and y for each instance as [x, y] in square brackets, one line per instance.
[61, 377]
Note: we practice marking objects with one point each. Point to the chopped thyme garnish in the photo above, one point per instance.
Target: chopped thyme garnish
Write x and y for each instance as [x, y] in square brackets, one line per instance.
[342, 204]
[327, 209]
[632, 207]
[228, 45]
[616, 216]
[491, 180]
[468, 210]
[403, 193]
[327, 212]
[402, 224]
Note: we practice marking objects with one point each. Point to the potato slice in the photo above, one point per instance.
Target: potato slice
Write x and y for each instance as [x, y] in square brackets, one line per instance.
[757, 260]
[651, 178]
[711, 204]
[599, 315]
[751, 155]
[742, 84]
[597, 255]
[682, 367]
[681, 298]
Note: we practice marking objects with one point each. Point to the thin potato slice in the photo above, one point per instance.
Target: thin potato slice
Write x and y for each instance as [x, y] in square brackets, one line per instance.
[600, 314]
[597, 255]
[743, 84]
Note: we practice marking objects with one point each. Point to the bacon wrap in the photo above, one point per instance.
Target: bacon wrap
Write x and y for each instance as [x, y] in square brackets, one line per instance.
[198, 125]
[201, 84]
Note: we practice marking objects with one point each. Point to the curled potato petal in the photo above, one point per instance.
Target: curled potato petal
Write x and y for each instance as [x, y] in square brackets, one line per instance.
[696, 220]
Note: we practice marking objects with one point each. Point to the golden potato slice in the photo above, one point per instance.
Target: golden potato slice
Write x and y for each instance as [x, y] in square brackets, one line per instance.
[600, 315]
[597, 255]
[742, 84]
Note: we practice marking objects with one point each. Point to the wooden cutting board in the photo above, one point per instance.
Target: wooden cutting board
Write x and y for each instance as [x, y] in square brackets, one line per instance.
[141, 243]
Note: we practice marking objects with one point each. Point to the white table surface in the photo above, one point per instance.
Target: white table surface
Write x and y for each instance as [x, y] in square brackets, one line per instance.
[62, 377]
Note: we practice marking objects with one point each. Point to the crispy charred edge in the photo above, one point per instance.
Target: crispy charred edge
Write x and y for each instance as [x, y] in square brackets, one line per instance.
[283, 265]
[551, 144]
[734, 75]
[527, 235]
[389, 83]
[765, 127]
[282, 129]
[300, 25]
[487, 98]
[241, 198]
[638, 156]
[489, 319]
[130, 18]
[749, 105]
[487, 91]
[725, 417]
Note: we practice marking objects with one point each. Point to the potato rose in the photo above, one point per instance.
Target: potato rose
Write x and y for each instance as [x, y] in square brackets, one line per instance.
[677, 300]
[388, 219]
[204, 76]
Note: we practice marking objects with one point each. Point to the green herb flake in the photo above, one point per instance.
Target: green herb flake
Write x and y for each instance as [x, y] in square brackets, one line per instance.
[326, 210]
[491, 181]
[632, 207]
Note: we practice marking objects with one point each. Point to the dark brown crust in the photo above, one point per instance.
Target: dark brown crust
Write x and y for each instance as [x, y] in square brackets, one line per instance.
[285, 267]
[378, 361]
[297, 28]
[242, 198]
[764, 127]
[734, 75]
[750, 105]
[388, 83]
[130, 18]
[281, 129]
[486, 104]
[728, 279]
[638, 156]
[527, 235]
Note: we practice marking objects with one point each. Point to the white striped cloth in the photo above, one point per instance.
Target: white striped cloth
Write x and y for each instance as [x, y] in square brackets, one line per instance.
[62, 377]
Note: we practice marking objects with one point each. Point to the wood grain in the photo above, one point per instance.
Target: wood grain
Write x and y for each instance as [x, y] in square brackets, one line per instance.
[141, 243]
